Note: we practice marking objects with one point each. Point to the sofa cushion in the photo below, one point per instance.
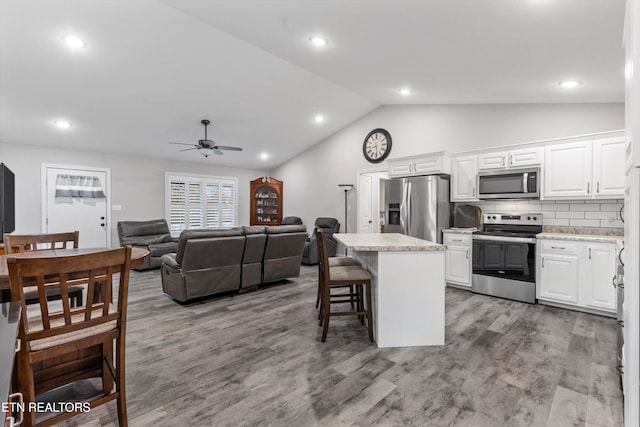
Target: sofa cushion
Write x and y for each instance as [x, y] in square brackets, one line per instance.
[252, 229]
[279, 229]
[202, 234]
[142, 228]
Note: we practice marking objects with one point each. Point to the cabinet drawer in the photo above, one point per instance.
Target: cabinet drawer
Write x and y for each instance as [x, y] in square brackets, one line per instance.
[453, 239]
[558, 246]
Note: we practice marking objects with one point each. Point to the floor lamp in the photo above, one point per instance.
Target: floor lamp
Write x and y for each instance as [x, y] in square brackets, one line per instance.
[346, 188]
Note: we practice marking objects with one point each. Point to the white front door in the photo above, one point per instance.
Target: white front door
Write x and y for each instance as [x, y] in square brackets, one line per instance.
[365, 214]
[77, 198]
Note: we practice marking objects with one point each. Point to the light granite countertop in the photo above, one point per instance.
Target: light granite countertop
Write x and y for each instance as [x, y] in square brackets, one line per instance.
[582, 237]
[385, 242]
[460, 230]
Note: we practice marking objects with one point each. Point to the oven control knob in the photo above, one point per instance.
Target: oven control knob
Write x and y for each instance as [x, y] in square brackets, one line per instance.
[528, 218]
[535, 218]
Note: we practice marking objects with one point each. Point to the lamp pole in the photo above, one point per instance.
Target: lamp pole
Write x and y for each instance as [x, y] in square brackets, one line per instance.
[346, 188]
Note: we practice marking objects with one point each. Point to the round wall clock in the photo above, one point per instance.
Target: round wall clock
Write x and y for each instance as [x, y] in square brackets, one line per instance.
[377, 145]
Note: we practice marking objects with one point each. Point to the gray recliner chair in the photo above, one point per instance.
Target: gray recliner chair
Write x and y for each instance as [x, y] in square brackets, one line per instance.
[152, 235]
[207, 262]
[310, 252]
[291, 220]
[283, 252]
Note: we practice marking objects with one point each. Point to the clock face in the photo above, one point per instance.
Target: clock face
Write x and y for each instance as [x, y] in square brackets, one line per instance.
[377, 145]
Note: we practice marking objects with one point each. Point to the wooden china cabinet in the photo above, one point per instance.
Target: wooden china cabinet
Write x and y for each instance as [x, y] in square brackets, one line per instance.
[266, 201]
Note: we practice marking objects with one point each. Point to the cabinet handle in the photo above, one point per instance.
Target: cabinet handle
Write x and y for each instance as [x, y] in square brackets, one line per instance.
[510, 159]
[589, 253]
[18, 344]
[20, 399]
[563, 248]
[613, 282]
[474, 192]
[620, 322]
[456, 240]
[467, 254]
[588, 192]
[619, 369]
[542, 262]
[598, 187]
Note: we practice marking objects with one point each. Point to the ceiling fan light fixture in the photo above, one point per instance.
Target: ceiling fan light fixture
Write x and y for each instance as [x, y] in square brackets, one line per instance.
[205, 152]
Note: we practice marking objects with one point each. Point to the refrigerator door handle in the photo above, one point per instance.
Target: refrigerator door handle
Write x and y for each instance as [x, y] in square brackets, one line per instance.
[403, 208]
[408, 220]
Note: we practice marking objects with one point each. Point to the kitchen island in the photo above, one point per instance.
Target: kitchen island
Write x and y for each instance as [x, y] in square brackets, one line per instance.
[407, 286]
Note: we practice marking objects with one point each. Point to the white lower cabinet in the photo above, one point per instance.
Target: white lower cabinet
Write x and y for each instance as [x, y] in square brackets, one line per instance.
[559, 278]
[458, 259]
[577, 274]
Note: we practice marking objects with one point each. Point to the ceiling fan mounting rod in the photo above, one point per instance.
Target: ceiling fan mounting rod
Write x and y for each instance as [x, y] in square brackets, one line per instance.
[205, 122]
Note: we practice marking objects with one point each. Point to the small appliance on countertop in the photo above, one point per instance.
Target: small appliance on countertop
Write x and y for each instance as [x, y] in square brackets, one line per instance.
[504, 256]
[467, 216]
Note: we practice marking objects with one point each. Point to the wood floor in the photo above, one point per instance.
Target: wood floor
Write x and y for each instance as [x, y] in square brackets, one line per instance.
[256, 359]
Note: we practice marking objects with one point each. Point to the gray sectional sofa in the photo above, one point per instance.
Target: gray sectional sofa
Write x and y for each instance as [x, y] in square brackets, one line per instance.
[209, 262]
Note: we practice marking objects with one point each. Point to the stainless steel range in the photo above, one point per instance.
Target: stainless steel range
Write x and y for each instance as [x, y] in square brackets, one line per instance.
[504, 256]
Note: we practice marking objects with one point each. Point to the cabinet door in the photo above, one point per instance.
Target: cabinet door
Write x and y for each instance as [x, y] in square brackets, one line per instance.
[608, 167]
[598, 266]
[463, 179]
[402, 168]
[558, 278]
[492, 160]
[428, 165]
[458, 268]
[525, 157]
[568, 171]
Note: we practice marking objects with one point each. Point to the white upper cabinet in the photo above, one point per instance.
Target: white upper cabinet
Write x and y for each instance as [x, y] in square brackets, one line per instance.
[585, 170]
[497, 160]
[523, 157]
[420, 165]
[609, 167]
[567, 171]
[464, 178]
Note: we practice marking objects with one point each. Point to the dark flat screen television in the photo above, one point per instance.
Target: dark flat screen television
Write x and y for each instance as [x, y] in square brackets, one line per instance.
[7, 201]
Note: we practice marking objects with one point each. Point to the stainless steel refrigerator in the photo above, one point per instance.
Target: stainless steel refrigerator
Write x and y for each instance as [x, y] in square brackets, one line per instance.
[418, 206]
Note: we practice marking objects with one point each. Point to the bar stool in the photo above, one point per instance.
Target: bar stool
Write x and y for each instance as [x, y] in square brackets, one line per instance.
[357, 279]
[338, 261]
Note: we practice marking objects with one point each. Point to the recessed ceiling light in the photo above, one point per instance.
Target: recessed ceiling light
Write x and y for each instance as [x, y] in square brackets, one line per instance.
[405, 91]
[264, 156]
[319, 118]
[318, 41]
[62, 124]
[569, 84]
[73, 41]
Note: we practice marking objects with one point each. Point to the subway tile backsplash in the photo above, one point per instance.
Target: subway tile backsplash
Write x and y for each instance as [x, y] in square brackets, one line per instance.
[579, 213]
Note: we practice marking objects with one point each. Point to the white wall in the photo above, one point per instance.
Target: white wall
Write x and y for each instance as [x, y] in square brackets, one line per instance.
[136, 183]
[311, 179]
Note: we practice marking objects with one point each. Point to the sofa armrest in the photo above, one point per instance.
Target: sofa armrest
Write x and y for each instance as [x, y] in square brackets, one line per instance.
[170, 260]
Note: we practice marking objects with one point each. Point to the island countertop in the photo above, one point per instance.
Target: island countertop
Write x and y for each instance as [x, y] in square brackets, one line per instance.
[385, 242]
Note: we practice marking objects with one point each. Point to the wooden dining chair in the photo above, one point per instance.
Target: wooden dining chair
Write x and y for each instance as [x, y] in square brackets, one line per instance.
[20, 243]
[60, 344]
[355, 279]
[341, 261]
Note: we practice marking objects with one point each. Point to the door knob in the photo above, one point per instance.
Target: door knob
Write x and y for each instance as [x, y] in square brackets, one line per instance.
[102, 218]
[102, 224]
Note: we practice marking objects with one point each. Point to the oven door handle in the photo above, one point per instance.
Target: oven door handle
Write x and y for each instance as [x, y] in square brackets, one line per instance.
[504, 238]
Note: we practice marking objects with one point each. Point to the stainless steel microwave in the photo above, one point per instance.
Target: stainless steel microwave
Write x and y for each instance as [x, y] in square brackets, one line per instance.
[509, 184]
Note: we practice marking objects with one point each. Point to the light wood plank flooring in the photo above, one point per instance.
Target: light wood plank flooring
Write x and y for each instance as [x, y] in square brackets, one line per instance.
[256, 359]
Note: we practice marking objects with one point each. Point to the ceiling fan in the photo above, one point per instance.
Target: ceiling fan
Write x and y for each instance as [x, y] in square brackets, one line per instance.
[207, 146]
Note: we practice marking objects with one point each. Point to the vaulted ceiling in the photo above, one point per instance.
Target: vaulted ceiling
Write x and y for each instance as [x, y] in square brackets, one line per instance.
[151, 70]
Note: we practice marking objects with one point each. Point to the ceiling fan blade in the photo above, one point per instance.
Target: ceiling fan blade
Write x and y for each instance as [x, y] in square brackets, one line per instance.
[179, 143]
[189, 149]
[226, 147]
[217, 151]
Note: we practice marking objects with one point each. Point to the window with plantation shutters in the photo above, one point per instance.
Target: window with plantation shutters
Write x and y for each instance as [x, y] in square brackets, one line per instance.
[196, 202]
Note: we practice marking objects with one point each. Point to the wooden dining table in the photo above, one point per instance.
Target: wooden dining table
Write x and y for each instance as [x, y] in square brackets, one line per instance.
[137, 259]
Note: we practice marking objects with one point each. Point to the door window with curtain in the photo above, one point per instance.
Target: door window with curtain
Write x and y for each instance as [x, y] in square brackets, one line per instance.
[198, 201]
